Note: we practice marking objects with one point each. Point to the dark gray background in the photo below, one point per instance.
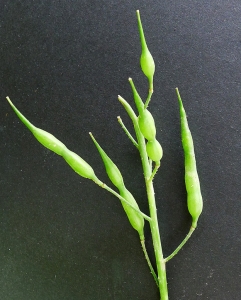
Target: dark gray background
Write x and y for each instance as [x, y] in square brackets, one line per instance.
[63, 63]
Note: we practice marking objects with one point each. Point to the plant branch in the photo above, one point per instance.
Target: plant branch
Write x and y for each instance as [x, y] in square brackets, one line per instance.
[106, 187]
[150, 92]
[181, 245]
[127, 132]
[149, 262]
[160, 262]
[157, 166]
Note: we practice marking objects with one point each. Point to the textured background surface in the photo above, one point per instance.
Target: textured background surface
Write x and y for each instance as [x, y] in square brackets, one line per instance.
[63, 63]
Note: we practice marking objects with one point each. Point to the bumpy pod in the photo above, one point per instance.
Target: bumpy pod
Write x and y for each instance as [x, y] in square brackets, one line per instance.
[80, 166]
[154, 150]
[136, 220]
[194, 196]
[147, 61]
[147, 125]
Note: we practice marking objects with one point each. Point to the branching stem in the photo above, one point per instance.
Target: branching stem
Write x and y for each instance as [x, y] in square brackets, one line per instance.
[106, 187]
[154, 171]
[181, 245]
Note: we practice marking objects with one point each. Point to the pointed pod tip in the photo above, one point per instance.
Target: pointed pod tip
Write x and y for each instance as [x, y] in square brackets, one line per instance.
[92, 137]
[178, 94]
[9, 100]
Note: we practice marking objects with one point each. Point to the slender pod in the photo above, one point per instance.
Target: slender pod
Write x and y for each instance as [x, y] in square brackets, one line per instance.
[136, 220]
[194, 196]
[49, 141]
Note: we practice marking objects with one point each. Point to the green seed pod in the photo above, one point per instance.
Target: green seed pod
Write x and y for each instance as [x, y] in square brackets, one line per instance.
[154, 150]
[194, 196]
[147, 61]
[48, 140]
[147, 125]
[111, 169]
[137, 98]
[136, 220]
[80, 166]
[52, 143]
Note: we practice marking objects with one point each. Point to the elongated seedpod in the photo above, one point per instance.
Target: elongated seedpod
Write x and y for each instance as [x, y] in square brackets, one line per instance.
[136, 220]
[49, 141]
[147, 125]
[147, 61]
[111, 169]
[154, 150]
[194, 196]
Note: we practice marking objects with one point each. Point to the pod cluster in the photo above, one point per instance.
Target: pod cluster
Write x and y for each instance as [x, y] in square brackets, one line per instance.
[147, 127]
[114, 174]
[79, 165]
[145, 118]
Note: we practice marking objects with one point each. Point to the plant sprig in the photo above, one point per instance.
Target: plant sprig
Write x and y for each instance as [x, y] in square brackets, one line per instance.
[151, 153]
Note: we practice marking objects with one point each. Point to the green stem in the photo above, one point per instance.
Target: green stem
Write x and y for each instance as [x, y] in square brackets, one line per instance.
[160, 262]
[154, 171]
[127, 132]
[181, 245]
[143, 245]
[106, 187]
[149, 96]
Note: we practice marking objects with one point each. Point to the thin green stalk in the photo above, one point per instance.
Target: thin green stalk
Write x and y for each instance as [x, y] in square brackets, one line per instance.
[157, 166]
[148, 97]
[106, 187]
[181, 245]
[143, 245]
[127, 132]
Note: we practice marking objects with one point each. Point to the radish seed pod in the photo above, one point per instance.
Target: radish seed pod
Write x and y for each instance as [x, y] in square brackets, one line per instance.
[194, 196]
[49, 141]
[136, 220]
